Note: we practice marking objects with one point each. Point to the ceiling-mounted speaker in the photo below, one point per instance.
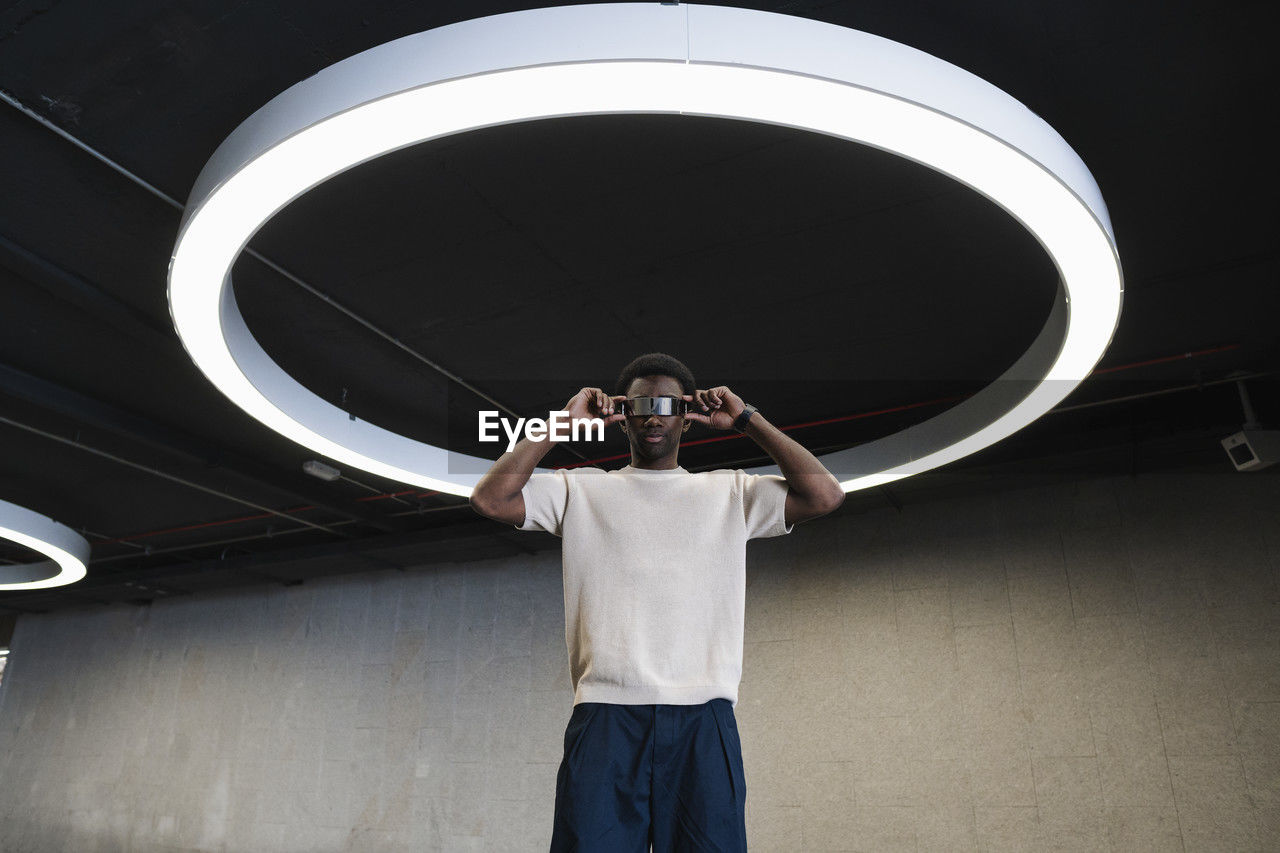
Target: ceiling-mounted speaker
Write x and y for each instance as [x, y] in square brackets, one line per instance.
[1253, 449]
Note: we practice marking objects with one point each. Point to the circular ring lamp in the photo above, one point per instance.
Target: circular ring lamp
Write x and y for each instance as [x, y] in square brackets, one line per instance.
[706, 61]
[67, 550]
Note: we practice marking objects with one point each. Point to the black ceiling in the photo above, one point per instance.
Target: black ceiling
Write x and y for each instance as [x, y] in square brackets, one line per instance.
[820, 280]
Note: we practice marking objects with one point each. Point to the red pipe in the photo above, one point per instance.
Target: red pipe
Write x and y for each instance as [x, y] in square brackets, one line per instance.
[856, 416]
[1164, 359]
[243, 518]
[891, 409]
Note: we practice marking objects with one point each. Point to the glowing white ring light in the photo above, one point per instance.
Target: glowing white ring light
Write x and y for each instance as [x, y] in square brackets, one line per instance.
[68, 551]
[646, 58]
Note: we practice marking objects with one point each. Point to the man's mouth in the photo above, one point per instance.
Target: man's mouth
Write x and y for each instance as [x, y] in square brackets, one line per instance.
[653, 437]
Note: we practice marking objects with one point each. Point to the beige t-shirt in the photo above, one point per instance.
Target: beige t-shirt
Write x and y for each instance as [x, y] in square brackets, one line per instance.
[655, 576]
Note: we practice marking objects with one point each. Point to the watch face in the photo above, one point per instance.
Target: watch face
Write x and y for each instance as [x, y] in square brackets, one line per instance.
[656, 406]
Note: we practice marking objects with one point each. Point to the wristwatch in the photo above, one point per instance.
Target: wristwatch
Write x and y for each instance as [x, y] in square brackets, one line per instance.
[740, 422]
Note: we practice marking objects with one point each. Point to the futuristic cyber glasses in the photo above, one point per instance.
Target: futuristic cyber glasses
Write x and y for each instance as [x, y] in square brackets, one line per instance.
[644, 406]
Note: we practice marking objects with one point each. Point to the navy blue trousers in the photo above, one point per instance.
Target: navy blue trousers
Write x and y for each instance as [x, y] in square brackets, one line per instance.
[636, 775]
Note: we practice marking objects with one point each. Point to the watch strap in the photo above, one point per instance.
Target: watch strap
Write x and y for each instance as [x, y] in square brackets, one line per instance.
[740, 422]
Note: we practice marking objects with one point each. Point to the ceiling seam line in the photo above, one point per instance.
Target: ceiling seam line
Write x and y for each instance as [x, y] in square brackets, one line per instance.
[87, 411]
[170, 477]
[197, 545]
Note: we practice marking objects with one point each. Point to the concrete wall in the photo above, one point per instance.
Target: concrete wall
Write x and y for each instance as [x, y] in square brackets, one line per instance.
[1087, 666]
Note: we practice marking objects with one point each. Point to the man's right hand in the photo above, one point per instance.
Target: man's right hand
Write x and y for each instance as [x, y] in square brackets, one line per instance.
[498, 493]
[594, 403]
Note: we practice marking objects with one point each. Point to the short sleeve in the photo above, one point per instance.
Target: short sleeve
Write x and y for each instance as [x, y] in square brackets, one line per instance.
[764, 505]
[545, 497]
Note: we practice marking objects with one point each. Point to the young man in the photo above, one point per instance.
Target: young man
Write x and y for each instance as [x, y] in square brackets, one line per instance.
[654, 590]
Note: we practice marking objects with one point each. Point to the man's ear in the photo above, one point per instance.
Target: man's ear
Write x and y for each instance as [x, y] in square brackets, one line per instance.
[685, 428]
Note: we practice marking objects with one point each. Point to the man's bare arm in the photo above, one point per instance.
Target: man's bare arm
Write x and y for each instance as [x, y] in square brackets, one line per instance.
[497, 495]
[812, 490]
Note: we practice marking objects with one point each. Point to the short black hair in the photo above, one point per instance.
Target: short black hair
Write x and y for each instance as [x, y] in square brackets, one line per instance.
[656, 364]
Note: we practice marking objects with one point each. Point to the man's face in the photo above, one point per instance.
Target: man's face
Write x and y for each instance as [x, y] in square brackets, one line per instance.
[655, 437]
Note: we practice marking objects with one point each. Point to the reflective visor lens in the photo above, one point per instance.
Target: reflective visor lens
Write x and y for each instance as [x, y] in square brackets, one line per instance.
[644, 406]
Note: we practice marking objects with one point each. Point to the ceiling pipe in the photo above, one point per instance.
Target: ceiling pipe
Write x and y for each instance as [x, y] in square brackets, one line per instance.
[150, 575]
[86, 410]
[270, 264]
[872, 413]
[957, 397]
[1250, 416]
[301, 553]
[1195, 386]
[269, 534]
[69, 287]
[171, 477]
[350, 547]
[204, 525]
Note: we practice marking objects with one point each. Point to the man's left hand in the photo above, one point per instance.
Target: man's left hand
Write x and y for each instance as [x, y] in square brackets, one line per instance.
[716, 407]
